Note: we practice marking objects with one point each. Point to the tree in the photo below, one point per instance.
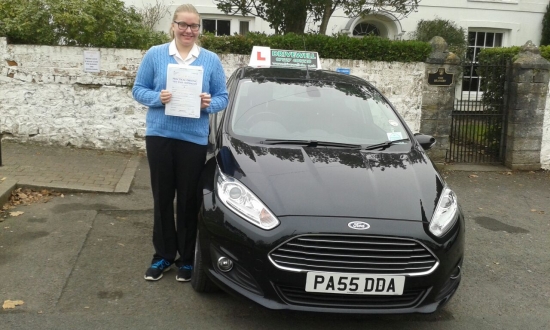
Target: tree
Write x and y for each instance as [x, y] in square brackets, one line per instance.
[287, 16]
[91, 23]
[151, 14]
[545, 37]
[454, 35]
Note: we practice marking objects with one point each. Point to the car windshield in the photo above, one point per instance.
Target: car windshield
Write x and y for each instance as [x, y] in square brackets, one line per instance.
[314, 110]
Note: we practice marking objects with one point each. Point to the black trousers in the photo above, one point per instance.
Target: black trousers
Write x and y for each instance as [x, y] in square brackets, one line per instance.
[175, 167]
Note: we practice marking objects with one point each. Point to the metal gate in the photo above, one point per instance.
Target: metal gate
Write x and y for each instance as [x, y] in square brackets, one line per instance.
[478, 117]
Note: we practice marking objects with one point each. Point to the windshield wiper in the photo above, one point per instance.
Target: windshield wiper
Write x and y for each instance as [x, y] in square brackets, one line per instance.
[383, 145]
[312, 143]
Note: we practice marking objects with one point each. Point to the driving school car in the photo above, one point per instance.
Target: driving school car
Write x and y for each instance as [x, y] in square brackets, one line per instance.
[318, 197]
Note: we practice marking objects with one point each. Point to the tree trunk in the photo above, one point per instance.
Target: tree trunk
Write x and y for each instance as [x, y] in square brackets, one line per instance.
[296, 17]
[327, 13]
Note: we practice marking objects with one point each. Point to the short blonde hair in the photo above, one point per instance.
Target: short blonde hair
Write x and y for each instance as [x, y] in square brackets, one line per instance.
[186, 8]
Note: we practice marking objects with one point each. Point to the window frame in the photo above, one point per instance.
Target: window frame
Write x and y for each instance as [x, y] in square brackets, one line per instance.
[215, 19]
[467, 73]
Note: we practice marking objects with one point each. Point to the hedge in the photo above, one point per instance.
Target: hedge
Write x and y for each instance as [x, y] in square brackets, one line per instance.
[335, 47]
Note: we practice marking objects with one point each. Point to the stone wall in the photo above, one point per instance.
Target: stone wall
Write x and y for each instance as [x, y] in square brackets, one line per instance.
[545, 147]
[45, 95]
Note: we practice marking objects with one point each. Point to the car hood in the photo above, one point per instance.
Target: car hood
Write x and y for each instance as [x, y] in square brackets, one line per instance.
[334, 182]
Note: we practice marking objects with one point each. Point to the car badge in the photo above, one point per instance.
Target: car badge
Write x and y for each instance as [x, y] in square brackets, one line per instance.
[358, 225]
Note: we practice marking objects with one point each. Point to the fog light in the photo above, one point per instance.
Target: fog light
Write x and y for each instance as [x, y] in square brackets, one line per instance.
[225, 264]
[456, 273]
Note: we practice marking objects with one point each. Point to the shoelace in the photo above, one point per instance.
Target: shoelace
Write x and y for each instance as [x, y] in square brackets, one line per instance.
[161, 264]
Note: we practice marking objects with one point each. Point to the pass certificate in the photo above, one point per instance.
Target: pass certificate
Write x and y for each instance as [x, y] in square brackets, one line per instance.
[185, 84]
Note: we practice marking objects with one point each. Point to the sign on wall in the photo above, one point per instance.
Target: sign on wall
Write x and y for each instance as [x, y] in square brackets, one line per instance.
[92, 61]
[440, 78]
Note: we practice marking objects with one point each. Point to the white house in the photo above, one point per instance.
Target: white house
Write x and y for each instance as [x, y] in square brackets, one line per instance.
[490, 23]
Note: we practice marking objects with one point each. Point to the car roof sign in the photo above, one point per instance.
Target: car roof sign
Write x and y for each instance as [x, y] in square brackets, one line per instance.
[265, 57]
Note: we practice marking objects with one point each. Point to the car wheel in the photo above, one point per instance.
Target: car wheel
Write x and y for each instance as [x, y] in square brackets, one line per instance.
[199, 279]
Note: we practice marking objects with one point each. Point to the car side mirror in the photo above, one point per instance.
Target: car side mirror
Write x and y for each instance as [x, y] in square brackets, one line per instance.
[426, 141]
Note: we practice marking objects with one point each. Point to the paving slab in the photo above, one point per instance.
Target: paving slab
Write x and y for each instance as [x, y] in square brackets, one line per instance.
[66, 169]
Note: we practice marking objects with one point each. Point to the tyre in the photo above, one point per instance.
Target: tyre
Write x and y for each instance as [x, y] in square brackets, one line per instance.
[199, 279]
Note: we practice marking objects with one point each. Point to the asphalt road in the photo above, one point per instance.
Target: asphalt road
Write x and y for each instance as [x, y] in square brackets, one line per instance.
[77, 262]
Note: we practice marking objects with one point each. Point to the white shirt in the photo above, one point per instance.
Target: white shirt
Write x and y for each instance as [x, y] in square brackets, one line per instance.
[193, 54]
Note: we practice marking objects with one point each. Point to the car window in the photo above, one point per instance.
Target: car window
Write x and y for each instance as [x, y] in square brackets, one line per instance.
[305, 110]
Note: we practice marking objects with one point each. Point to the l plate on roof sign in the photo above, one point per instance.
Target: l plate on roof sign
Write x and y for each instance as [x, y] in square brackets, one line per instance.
[265, 57]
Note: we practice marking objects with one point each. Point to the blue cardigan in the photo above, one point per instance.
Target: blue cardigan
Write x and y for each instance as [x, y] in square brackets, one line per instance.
[151, 79]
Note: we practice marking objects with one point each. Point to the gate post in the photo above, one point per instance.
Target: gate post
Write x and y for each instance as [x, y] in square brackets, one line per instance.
[526, 105]
[438, 96]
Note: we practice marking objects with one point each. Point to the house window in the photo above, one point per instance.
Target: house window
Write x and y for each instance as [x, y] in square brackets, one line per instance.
[477, 40]
[216, 26]
[244, 27]
[366, 29]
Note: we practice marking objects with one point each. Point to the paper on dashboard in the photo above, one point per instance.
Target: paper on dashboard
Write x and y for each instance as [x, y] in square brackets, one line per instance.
[185, 84]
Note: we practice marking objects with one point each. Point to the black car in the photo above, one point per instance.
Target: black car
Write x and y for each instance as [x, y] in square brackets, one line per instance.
[319, 198]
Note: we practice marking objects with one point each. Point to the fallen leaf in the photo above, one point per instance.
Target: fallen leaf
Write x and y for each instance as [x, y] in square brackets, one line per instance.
[4, 178]
[533, 210]
[473, 176]
[16, 214]
[497, 263]
[508, 173]
[541, 212]
[120, 244]
[10, 304]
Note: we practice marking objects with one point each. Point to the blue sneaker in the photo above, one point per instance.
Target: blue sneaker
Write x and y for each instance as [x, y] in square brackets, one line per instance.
[154, 273]
[184, 273]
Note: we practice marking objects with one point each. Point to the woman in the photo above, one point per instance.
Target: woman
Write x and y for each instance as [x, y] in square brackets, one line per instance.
[176, 146]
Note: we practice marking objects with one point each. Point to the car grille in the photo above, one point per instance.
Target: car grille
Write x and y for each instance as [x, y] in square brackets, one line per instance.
[354, 254]
[297, 296]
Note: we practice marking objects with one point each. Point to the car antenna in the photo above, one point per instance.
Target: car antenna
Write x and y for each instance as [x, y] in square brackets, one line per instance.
[305, 49]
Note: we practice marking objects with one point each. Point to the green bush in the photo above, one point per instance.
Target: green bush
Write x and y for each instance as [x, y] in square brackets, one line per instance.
[545, 33]
[545, 52]
[91, 23]
[335, 47]
[492, 67]
[26, 21]
[454, 36]
[491, 63]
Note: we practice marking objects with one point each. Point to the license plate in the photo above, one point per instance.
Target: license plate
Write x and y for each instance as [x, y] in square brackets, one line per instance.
[354, 283]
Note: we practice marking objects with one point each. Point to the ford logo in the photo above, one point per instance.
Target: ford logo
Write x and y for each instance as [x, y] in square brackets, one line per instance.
[358, 225]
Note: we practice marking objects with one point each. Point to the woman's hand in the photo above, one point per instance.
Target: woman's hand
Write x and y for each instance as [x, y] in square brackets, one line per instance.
[205, 100]
[165, 96]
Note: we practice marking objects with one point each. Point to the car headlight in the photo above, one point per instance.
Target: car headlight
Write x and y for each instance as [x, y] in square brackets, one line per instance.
[242, 201]
[445, 214]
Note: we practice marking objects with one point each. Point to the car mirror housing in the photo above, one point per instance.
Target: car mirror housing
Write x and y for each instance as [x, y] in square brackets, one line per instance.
[426, 141]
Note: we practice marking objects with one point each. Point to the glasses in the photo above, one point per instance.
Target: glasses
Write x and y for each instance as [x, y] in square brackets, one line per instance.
[183, 26]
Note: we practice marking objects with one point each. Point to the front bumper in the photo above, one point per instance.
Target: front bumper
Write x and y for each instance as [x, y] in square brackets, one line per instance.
[256, 277]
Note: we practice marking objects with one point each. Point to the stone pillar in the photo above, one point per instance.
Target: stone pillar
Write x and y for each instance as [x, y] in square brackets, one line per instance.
[526, 105]
[438, 99]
